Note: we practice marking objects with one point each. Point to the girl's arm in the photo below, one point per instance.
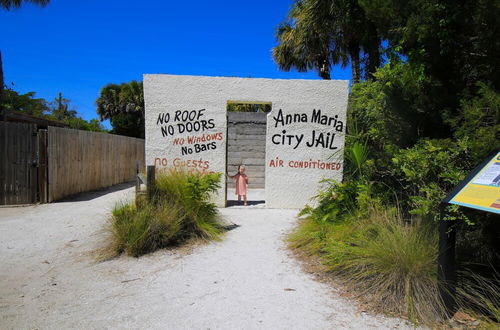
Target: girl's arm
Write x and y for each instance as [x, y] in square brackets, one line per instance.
[246, 178]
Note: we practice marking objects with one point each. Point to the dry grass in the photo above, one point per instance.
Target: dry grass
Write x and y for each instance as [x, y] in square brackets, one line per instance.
[479, 296]
[381, 259]
[180, 212]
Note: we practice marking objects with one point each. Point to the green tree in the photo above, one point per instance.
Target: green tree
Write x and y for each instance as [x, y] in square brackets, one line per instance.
[249, 107]
[319, 34]
[303, 47]
[93, 125]
[26, 103]
[454, 44]
[123, 105]
[60, 109]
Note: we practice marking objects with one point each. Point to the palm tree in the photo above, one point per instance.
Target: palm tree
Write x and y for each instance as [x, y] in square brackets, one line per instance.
[322, 33]
[305, 45]
[108, 103]
[123, 105]
[120, 99]
[8, 4]
[132, 97]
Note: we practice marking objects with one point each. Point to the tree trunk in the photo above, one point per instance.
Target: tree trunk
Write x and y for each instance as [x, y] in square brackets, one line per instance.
[355, 62]
[371, 48]
[373, 62]
[324, 75]
[324, 70]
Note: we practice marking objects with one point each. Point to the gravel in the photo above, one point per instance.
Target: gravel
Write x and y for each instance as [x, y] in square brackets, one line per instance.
[50, 279]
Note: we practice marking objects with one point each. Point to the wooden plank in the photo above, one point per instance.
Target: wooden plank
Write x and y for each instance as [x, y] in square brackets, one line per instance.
[81, 161]
[42, 166]
[3, 163]
[17, 175]
[34, 165]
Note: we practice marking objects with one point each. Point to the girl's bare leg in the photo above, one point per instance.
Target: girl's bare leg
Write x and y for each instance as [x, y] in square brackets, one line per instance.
[245, 199]
[239, 199]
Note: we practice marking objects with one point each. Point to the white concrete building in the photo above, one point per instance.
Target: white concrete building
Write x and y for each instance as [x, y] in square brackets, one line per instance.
[186, 126]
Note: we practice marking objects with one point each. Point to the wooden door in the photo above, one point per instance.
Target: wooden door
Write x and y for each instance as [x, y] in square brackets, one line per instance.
[18, 163]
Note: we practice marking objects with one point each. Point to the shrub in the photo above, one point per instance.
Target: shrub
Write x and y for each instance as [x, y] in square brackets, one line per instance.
[382, 258]
[180, 210]
[403, 152]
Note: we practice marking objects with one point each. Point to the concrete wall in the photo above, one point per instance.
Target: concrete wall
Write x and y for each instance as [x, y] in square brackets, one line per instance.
[298, 151]
[246, 144]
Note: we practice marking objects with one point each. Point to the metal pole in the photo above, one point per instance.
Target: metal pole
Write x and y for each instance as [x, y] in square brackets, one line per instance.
[447, 276]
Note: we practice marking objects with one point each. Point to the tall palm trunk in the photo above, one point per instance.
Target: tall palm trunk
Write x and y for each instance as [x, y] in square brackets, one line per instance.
[355, 62]
[373, 61]
[371, 48]
[324, 70]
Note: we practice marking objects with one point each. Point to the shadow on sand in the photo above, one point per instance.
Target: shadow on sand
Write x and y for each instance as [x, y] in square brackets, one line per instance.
[236, 203]
[90, 195]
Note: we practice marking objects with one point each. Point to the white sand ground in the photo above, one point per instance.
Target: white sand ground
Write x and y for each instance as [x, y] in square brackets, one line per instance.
[49, 278]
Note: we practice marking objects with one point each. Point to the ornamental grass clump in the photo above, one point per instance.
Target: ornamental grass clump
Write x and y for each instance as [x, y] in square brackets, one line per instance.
[387, 262]
[479, 296]
[180, 210]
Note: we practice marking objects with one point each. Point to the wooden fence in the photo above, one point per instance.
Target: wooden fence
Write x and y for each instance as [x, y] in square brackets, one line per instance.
[81, 161]
[18, 163]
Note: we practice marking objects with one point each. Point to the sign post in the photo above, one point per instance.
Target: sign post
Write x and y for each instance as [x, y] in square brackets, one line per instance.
[479, 190]
[447, 277]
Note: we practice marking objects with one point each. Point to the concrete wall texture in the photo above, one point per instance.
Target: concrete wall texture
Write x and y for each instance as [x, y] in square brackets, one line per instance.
[186, 126]
[246, 144]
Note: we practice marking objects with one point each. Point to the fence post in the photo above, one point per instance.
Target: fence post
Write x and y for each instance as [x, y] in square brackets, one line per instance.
[446, 261]
[137, 180]
[151, 182]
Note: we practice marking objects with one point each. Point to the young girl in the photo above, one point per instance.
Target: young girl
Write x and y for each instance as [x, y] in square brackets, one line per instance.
[241, 184]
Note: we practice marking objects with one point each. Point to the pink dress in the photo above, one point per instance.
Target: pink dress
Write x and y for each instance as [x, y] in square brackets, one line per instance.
[241, 184]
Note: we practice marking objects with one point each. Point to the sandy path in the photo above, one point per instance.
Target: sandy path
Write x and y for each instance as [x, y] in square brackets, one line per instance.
[49, 279]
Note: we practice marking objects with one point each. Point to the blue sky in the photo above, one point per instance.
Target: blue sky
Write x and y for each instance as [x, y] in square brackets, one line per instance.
[77, 47]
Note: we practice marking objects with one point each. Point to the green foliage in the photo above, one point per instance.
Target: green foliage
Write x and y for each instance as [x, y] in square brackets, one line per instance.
[60, 109]
[92, 125]
[453, 43]
[128, 124]
[391, 111]
[428, 171]
[380, 257]
[181, 210]
[357, 156]
[401, 153]
[57, 110]
[123, 104]
[26, 103]
[407, 156]
[248, 107]
[319, 34]
[425, 120]
[338, 202]
[478, 122]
